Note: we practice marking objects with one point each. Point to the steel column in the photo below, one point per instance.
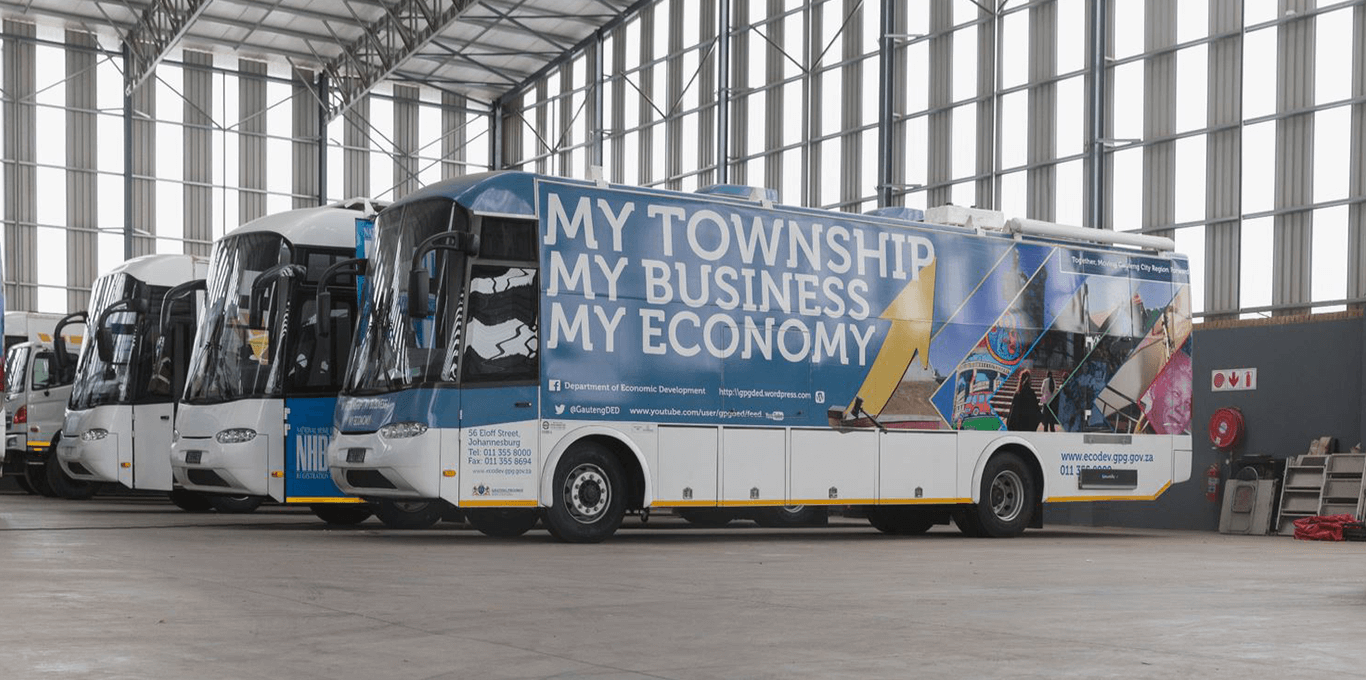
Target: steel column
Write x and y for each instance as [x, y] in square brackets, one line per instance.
[884, 101]
[1096, 104]
[723, 91]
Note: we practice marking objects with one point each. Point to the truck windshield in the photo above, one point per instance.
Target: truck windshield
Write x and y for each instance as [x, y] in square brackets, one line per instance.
[16, 363]
[393, 350]
[231, 360]
[97, 382]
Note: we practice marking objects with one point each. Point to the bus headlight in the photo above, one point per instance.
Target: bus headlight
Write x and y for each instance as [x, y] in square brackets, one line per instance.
[94, 434]
[402, 430]
[235, 435]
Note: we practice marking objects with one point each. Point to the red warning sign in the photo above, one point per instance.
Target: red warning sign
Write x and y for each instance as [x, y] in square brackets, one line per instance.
[1233, 379]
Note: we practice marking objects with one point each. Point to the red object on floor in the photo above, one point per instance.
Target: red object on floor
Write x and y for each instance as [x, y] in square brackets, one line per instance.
[1321, 527]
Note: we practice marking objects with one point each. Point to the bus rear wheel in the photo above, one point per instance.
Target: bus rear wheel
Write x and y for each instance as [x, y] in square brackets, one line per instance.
[409, 514]
[344, 514]
[590, 495]
[502, 522]
[1009, 495]
[36, 474]
[902, 520]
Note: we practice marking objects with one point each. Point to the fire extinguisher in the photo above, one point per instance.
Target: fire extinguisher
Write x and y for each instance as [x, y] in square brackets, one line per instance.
[1212, 483]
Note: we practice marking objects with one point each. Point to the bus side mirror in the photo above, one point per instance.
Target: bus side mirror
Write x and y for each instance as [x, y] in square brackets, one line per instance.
[104, 344]
[323, 309]
[419, 288]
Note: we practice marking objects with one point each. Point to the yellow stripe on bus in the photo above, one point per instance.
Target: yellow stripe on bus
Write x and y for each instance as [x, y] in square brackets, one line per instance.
[923, 501]
[683, 504]
[498, 504]
[323, 499]
[1080, 499]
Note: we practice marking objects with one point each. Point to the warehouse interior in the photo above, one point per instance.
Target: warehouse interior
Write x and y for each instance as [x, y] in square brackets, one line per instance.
[1238, 129]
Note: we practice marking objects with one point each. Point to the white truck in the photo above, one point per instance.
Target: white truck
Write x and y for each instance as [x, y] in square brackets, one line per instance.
[36, 393]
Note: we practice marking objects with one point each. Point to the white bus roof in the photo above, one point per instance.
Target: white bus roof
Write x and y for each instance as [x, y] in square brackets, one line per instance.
[164, 269]
[329, 225]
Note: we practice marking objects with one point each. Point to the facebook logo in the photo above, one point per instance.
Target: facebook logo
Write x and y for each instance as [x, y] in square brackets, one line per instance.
[554, 386]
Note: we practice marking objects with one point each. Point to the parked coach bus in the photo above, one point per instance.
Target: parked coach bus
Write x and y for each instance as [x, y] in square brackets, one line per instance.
[538, 348]
[118, 423]
[257, 412]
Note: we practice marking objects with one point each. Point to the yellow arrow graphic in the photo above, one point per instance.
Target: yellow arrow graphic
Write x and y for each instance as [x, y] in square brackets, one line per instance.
[912, 317]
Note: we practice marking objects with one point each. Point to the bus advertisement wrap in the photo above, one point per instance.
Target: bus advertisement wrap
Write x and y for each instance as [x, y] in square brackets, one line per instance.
[704, 310]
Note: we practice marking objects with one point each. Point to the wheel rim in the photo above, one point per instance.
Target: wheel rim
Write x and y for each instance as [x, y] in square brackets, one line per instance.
[1007, 494]
[587, 493]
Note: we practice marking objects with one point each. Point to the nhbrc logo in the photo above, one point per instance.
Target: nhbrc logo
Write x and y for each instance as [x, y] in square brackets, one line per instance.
[559, 409]
[554, 386]
[310, 451]
[482, 490]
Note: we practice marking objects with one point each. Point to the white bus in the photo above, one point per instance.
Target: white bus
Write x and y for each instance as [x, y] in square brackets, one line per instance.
[539, 348]
[119, 419]
[258, 408]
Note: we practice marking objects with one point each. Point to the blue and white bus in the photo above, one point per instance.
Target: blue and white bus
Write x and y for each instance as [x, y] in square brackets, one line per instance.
[531, 347]
[266, 367]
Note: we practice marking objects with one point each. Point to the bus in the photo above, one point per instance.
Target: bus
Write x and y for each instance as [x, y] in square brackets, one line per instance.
[35, 401]
[532, 348]
[266, 369]
[118, 423]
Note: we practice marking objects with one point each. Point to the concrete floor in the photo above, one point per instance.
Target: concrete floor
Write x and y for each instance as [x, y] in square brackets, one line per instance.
[133, 588]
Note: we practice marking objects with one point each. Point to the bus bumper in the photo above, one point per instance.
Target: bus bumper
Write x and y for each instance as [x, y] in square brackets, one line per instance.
[371, 466]
[95, 457]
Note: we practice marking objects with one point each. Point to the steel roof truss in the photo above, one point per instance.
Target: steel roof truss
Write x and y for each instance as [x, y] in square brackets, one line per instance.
[161, 26]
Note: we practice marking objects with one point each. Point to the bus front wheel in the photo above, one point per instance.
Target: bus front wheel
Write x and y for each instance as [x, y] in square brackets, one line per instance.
[341, 514]
[409, 514]
[590, 495]
[189, 501]
[236, 505]
[1009, 495]
[502, 522]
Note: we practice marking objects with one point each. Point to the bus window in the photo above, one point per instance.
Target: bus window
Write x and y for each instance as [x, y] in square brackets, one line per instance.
[500, 333]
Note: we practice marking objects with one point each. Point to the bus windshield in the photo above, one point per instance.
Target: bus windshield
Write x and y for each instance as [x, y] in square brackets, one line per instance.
[231, 360]
[97, 382]
[393, 350]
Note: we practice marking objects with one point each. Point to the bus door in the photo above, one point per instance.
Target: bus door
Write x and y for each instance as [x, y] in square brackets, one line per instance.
[499, 389]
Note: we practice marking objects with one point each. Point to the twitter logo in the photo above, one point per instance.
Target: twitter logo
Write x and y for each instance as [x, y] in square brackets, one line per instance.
[559, 409]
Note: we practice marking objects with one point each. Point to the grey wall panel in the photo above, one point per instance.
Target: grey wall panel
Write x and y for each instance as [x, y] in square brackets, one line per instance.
[774, 118]
[538, 131]
[985, 191]
[740, 44]
[940, 156]
[1159, 119]
[512, 131]
[144, 156]
[454, 134]
[1294, 236]
[616, 150]
[405, 140]
[563, 136]
[853, 185]
[707, 84]
[356, 157]
[198, 158]
[673, 88]
[1223, 158]
[304, 125]
[82, 145]
[251, 140]
[1356, 220]
[645, 80]
[21, 182]
[1042, 145]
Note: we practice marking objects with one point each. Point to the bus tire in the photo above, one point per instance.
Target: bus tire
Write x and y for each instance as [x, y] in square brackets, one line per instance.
[1009, 496]
[342, 514]
[792, 516]
[65, 485]
[901, 520]
[590, 495]
[706, 518]
[502, 522]
[409, 514]
[965, 518]
[189, 501]
[236, 505]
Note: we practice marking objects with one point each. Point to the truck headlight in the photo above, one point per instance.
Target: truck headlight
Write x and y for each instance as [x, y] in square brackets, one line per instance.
[402, 430]
[94, 434]
[235, 435]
